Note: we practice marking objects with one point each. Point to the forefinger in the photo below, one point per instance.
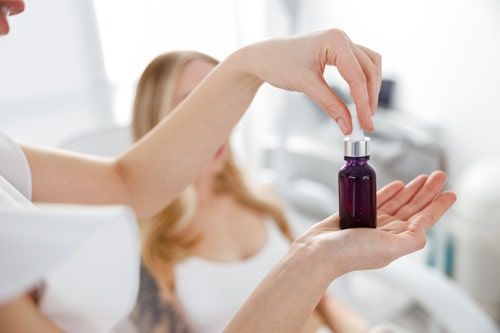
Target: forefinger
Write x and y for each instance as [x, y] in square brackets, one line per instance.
[388, 191]
[354, 73]
[397, 201]
[371, 63]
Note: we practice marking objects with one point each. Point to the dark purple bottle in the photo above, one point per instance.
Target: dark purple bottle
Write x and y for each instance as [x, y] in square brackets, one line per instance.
[357, 183]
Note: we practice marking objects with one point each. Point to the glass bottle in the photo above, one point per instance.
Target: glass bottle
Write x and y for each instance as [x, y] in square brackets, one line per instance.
[357, 183]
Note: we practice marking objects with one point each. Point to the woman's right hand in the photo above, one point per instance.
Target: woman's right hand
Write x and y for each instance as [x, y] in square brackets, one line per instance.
[298, 63]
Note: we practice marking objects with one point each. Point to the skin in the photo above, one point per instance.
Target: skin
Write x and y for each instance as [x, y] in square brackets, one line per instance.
[185, 143]
[214, 209]
[9, 7]
[404, 214]
[225, 241]
[138, 178]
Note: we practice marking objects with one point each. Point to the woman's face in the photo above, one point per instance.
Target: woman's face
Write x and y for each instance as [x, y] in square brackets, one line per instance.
[9, 7]
[189, 77]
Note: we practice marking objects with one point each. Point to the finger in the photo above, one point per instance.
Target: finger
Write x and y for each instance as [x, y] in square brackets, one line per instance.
[392, 205]
[374, 56]
[352, 69]
[424, 196]
[14, 7]
[388, 191]
[353, 73]
[437, 208]
[371, 62]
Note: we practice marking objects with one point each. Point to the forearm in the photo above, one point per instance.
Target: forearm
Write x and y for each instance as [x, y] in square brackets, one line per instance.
[153, 171]
[157, 168]
[287, 296]
[340, 318]
[22, 316]
[175, 152]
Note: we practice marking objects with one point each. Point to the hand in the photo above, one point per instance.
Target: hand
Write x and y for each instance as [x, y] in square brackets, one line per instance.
[303, 59]
[404, 214]
[324, 252]
[7, 8]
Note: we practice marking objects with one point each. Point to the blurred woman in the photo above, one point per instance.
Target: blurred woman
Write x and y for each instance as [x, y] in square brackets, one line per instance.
[208, 249]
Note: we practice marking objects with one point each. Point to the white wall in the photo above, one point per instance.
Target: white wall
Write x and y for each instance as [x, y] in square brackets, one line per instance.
[133, 35]
[52, 80]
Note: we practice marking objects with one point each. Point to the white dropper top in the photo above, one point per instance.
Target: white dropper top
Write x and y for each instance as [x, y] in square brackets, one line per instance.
[356, 144]
[357, 133]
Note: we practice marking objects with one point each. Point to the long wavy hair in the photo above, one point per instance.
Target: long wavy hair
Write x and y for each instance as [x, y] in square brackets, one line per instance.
[164, 241]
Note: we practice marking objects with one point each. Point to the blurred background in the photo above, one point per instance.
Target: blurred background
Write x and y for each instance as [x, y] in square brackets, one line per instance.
[70, 67]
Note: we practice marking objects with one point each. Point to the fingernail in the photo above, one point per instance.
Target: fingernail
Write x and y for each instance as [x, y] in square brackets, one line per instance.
[341, 124]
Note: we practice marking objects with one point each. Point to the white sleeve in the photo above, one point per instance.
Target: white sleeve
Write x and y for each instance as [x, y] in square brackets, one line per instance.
[14, 167]
[87, 258]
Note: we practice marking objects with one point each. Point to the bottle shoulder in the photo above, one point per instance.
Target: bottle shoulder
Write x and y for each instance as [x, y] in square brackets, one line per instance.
[357, 166]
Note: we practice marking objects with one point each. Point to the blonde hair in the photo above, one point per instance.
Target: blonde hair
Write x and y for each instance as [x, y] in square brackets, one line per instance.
[163, 239]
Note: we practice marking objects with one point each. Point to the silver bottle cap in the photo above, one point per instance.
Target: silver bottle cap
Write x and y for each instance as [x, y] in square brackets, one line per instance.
[358, 148]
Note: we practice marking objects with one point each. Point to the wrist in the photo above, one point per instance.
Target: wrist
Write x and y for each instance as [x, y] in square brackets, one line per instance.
[244, 63]
[314, 253]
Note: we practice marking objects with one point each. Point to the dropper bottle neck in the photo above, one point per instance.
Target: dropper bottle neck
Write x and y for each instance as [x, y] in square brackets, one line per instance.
[356, 144]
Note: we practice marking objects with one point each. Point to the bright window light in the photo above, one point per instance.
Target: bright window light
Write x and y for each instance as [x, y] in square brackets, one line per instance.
[133, 33]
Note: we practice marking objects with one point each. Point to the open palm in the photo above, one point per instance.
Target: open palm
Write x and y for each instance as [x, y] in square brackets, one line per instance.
[404, 214]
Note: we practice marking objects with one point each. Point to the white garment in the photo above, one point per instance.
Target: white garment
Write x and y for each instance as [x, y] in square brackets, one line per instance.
[85, 259]
[212, 292]
[15, 174]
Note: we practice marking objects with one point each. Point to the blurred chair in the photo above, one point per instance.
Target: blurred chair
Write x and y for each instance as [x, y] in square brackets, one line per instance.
[410, 297]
